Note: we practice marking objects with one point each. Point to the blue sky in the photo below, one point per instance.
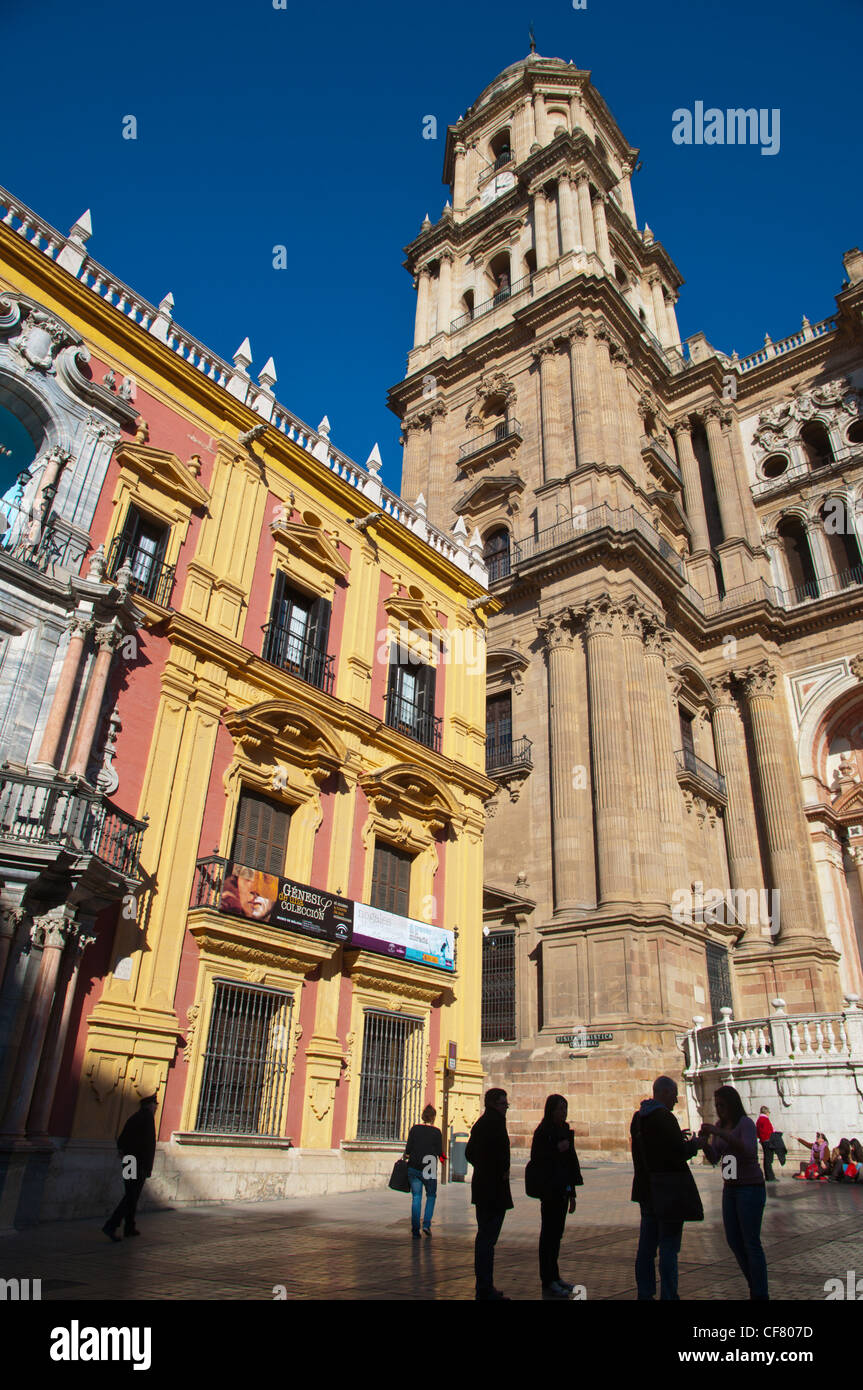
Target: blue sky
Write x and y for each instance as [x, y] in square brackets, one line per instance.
[303, 127]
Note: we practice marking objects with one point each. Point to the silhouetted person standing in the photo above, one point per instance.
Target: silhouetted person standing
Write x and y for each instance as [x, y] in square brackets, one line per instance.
[556, 1175]
[137, 1149]
[664, 1188]
[488, 1151]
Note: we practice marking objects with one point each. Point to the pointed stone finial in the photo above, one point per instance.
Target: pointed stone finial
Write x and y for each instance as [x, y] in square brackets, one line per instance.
[768, 341]
[243, 356]
[82, 230]
[96, 567]
[460, 533]
[124, 575]
[324, 428]
[420, 505]
[425, 224]
[647, 235]
[374, 462]
[267, 375]
[167, 305]
[805, 321]
[476, 540]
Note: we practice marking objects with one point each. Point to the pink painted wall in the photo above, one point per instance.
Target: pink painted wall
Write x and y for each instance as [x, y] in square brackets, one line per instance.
[340, 1109]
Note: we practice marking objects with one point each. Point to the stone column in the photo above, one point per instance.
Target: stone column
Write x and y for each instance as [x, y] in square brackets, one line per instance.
[556, 456]
[656, 647]
[654, 284]
[628, 423]
[415, 479]
[55, 1042]
[733, 448]
[671, 320]
[445, 314]
[459, 179]
[421, 329]
[644, 803]
[693, 497]
[570, 238]
[440, 469]
[585, 214]
[609, 742]
[820, 552]
[741, 830]
[50, 745]
[52, 930]
[540, 227]
[609, 448]
[542, 132]
[723, 476]
[108, 638]
[785, 825]
[778, 563]
[570, 799]
[600, 228]
[10, 920]
[583, 407]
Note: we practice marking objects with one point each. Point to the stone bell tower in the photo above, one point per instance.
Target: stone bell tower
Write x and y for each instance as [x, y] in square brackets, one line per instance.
[548, 402]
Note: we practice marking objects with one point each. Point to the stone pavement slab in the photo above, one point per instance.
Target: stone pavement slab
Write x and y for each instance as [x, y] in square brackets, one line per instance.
[358, 1247]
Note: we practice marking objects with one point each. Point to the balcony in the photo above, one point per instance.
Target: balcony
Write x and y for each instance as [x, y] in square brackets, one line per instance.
[298, 657]
[499, 567]
[660, 461]
[486, 442]
[505, 157]
[487, 305]
[408, 718]
[40, 813]
[208, 880]
[582, 524]
[501, 753]
[700, 776]
[36, 543]
[149, 579]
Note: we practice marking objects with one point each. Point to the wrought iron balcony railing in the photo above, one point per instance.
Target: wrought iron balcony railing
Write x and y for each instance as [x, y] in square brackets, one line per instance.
[651, 445]
[507, 752]
[597, 518]
[496, 435]
[487, 305]
[208, 880]
[291, 653]
[688, 762]
[149, 579]
[35, 542]
[40, 811]
[505, 157]
[408, 718]
[498, 566]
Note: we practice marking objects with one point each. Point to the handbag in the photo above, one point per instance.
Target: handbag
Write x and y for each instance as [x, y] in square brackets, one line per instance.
[533, 1184]
[399, 1180]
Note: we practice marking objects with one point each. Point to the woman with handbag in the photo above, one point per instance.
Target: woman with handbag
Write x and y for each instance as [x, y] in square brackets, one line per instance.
[553, 1174]
[734, 1144]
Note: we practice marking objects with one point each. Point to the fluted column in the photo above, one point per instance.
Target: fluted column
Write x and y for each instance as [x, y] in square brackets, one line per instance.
[572, 839]
[723, 476]
[778, 560]
[785, 825]
[438, 499]
[421, 329]
[644, 791]
[108, 638]
[541, 119]
[656, 647]
[671, 320]
[628, 423]
[609, 445]
[52, 930]
[556, 452]
[570, 237]
[583, 406]
[693, 497]
[445, 314]
[819, 549]
[609, 741]
[540, 227]
[733, 447]
[414, 460]
[600, 228]
[741, 830]
[459, 179]
[658, 301]
[50, 745]
[585, 214]
[55, 1042]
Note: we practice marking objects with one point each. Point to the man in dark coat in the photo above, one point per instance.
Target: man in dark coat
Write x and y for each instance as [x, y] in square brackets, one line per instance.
[137, 1149]
[488, 1151]
[658, 1146]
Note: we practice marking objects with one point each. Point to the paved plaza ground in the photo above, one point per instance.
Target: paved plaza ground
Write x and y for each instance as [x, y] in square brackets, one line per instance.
[358, 1247]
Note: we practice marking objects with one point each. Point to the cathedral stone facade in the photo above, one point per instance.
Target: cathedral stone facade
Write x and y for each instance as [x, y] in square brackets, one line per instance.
[675, 709]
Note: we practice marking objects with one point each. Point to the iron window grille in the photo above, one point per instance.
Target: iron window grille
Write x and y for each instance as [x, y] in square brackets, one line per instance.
[411, 700]
[391, 1078]
[718, 980]
[245, 1085]
[498, 987]
[142, 545]
[295, 638]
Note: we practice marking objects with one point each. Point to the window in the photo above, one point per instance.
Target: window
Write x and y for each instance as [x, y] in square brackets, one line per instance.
[501, 151]
[798, 556]
[295, 638]
[498, 987]
[391, 879]
[261, 836]
[143, 542]
[687, 740]
[496, 555]
[411, 698]
[498, 731]
[816, 444]
[718, 980]
[245, 1081]
[391, 1079]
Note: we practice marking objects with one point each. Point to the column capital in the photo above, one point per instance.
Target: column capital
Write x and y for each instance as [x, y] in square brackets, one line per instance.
[632, 618]
[598, 616]
[619, 356]
[557, 631]
[579, 328]
[856, 666]
[56, 927]
[79, 624]
[718, 413]
[724, 690]
[10, 920]
[109, 635]
[547, 348]
[447, 254]
[459, 147]
[657, 638]
[759, 680]
[682, 425]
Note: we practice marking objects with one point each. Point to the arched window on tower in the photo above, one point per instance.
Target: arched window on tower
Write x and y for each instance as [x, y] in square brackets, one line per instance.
[499, 272]
[500, 147]
[467, 302]
[842, 542]
[798, 558]
[816, 444]
[496, 554]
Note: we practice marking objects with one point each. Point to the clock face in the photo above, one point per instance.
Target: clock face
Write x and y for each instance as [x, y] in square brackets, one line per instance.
[502, 183]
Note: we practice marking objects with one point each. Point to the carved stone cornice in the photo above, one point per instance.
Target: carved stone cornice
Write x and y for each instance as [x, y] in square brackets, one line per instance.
[227, 938]
[403, 983]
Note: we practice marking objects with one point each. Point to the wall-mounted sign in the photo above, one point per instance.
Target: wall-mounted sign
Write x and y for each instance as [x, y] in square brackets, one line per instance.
[451, 1056]
[403, 937]
[282, 903]
[581, 1038]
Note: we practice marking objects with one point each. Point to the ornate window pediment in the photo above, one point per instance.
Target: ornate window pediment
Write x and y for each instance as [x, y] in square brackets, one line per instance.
[309, 543]
[406, 790]
[506, 666]
[412, 611]
[490, 494]
[833, 403]
[283, 731]
[164, 472]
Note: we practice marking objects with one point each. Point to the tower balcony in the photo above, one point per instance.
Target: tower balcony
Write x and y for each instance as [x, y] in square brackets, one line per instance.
[660, 462]
[502, 439]
[699, 777]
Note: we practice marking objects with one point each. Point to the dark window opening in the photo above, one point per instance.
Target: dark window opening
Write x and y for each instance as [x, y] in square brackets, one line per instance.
[496, 554]
[498, 987]
[245, 1081]
[718, 980]
[261, 834]
[391, 1076]
[142, 545]
[411, 698]
[498, 731]
[391, 879]
[295, 638]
